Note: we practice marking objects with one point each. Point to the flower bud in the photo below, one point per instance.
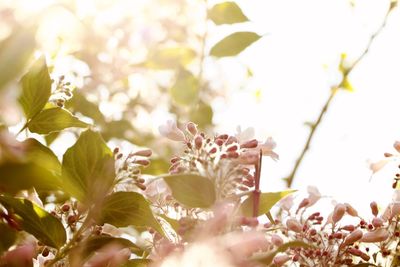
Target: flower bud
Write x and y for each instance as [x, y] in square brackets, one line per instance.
[281, 259]
[294, 225]
[353, 237]
[303, 203]
[378, 235]
[191, 128]
[377, 222]
[350, 210]
[349, 227]
[143, 153]
[198, 141]
[338, 212]
[250, 144]
[374, 208]
[396, 145]
[276, 240]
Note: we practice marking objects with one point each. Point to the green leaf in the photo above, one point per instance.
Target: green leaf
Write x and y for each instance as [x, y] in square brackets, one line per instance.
[226, 13]
[192, 190]
[36, 88]
[36, 221]
[267, 201]
[268, 257]
[233, 44]
[18, 176]
[54, 120]
[8, 237]
[97, 242]
[128, 208]
[15, 52]
[88, 168]
[185, 91]
[170, 58]
[346, 85]
[202, 115]
[41, 155]
[79, 103]
[138, 263]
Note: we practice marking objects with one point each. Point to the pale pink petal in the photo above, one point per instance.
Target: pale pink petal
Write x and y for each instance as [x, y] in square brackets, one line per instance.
[377, 166]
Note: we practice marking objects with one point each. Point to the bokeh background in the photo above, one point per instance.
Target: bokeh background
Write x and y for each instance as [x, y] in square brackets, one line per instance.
[134, 64]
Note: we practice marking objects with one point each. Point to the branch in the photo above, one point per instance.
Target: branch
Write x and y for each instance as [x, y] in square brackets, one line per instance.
[334, 89]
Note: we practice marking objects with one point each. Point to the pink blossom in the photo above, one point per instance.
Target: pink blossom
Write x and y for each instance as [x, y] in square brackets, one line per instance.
[171, 131]
[377, 166]
[294, 225]
[378, 235]
[279, 260]
[243, 136]
[353, 237]
[396, 145]
[286, 203]
[338, 212]
[267, 148]
[313, 195]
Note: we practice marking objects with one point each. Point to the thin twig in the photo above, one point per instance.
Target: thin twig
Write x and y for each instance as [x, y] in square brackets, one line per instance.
[334, 89]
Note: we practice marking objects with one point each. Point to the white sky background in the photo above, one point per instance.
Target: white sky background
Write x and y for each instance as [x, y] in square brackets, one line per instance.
[294, 66]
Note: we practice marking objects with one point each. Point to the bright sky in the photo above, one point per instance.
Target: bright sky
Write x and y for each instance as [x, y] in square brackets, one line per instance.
[294, 65]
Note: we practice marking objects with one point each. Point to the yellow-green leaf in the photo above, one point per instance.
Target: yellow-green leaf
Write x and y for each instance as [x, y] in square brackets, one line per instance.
[192, 190]
[233, 44]
[346, 85]
[201, 114]
[170, 58]
[128, 208]
[36, 88]
[54, 120]
[267, 201]
[226, 13]
[185, 91]
[36, 221]
[88, 168]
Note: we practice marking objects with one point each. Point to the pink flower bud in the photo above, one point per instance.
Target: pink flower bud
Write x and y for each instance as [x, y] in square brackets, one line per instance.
[294, 225]
[303, 203]
[281, 259]
[198, 141]
[396, 145]
[276, 240]
[249, 157]
[338, 212]
[349, 227]
[377, 222]
[143, 162]
[353, 237]
[378, 235]
[359, 253]
[374, 208]
[350, 210]
[143, 153]
[395, 209]
[191, 128]
[250, 144]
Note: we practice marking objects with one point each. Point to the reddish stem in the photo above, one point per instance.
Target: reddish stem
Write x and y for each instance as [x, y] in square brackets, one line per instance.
[257, 192]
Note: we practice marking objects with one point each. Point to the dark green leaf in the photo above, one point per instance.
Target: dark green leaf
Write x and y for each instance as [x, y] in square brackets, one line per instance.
[192, 190]
[36, 88]
[234, 44]
[170, 58]
[15, 51]
[202, 115]
[137, 263]
[226, 13]
[36, 221]
[172, 222]
[88, 168]
[79, 103]
[268, 257]
[267, 201]
[185, 91]
[97, 242]
[54, 120]
[128, 208]
[18, 176]
[41, 155]
[8, 237]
